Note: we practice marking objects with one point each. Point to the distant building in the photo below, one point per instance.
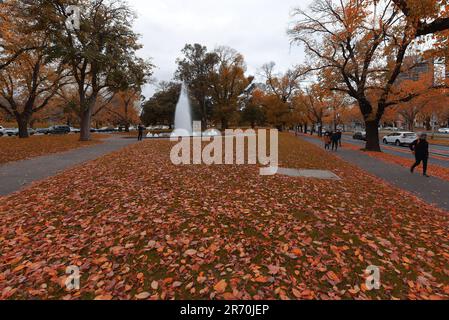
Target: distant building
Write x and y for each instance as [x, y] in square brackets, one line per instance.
[415, 68]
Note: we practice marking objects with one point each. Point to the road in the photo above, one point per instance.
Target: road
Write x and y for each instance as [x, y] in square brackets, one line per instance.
[439, 154]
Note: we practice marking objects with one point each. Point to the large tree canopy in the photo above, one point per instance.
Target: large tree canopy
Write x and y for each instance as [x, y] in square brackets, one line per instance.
[359, 47]
[101, 54]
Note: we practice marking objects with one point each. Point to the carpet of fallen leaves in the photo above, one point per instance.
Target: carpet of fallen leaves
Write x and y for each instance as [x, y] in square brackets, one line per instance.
[14, 149]
[139, 227]
[434, 170]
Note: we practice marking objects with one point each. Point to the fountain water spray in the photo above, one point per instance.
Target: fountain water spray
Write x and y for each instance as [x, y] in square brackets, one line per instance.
[183, 116]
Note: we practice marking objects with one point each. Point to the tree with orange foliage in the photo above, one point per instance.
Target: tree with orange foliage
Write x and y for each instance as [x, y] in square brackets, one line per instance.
[321, 104]
[361, 46]
[11, 39]
[121, 109]
[422, 93]
[227, 83]
[351, 115]
[31, 79]
[282, 87]
[102, 53]
[254, 111]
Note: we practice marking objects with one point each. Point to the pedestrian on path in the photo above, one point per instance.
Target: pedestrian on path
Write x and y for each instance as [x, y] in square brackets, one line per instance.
[141, 129]
[340, 136]
[421, 150]
[335, 138]
[327, 140]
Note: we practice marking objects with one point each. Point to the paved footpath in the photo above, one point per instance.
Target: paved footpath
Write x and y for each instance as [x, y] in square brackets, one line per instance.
[16, 175]
[431, 190]
[404, 152]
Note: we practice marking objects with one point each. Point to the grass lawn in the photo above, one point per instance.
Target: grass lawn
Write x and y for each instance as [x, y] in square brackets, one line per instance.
[141, 228]
[14, 149]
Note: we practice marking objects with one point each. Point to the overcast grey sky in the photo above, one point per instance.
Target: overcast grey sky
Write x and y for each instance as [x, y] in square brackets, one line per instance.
[256, 28]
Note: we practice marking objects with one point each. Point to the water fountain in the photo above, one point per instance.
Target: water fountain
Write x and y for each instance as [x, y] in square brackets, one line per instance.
[183, 120]
[183, 116]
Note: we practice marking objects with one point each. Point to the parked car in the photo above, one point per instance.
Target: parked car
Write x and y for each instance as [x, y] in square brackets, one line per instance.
[74, 130]
[2, 131]
[10, 132]
[42, 131]
[400, 138]
[59, 130]
[106, 130]
[443, 130]
[359, 135]
[390, 129]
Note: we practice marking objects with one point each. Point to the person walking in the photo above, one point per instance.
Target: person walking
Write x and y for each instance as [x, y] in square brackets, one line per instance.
[327, 140]
[141, 129]
[421, 150]
[340, 136]
[335, 138]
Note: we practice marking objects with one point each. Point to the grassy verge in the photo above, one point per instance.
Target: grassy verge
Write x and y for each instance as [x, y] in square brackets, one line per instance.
[14, 149]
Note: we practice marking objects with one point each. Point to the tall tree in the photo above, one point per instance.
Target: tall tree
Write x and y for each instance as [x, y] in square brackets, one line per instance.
[28, 84]
[227, 83]
[314, 101]
[101, 54]
[12, 40]
[122, 109]
[29, 77]
[281, 89]
[422, 88]
[361, 44]
[284, 85]
[194, 69]
[160, 108]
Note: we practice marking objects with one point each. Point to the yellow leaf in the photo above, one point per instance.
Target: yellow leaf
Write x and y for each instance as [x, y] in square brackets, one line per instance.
[220, 287]
[142, 296]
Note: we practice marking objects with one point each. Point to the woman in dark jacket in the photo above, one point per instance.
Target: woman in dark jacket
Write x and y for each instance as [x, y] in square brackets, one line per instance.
[335, 138]
[421, 150]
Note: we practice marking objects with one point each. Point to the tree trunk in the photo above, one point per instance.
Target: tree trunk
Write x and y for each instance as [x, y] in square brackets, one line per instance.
[428, 124]
[86, 119]
[127, 127]
[372, 135]
[224, 124]
[22, 121]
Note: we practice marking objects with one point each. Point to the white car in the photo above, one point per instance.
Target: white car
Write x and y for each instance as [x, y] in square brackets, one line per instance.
[400, 138]
[444, 130]
[11, 132]
[2, 131]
